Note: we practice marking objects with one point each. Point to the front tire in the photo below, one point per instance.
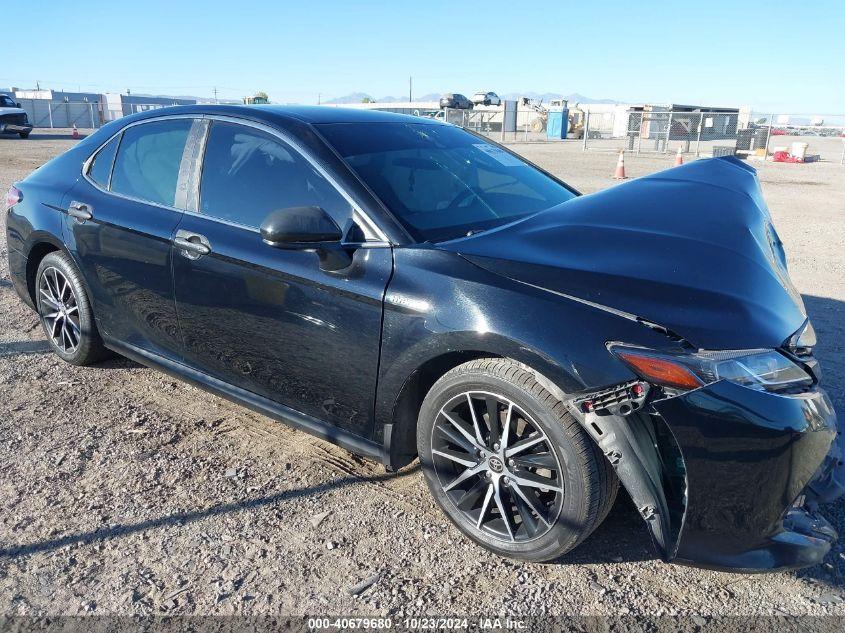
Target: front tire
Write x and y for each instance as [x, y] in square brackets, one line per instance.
[24, 134]
[65, 311]
[526, 482]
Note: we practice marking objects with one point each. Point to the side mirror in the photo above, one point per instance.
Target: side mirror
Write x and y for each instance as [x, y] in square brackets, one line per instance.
[307, 228]
[300, 227]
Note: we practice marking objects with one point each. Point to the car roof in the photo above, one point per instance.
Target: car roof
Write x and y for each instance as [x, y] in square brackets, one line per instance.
[282, 114]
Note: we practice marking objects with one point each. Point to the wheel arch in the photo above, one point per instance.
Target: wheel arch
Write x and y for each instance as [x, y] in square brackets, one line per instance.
[400, 422]
[41, 245]
[401, 434]
[632, 449]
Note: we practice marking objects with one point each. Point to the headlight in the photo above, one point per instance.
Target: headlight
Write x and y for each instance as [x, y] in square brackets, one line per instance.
[764, 370]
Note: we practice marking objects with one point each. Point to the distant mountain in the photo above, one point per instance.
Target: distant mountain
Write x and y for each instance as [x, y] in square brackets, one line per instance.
[573, 98]
[358, 97]
[355, 97]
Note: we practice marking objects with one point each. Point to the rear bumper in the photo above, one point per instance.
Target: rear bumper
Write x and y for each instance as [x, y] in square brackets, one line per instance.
[748, 457]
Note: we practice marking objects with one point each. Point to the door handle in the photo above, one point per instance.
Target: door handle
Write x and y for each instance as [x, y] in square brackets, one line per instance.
[192, 244]
[80, 211]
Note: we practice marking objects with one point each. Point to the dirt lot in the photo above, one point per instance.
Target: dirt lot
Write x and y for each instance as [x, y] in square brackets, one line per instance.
[123, 491]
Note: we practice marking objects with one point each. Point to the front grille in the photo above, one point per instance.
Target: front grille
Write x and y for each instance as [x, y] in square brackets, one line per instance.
[13, 119]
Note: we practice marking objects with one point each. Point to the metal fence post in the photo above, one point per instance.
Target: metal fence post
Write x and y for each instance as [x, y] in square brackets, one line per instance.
[640, 133]
[768, 137]
[668, 133]
[586, 129]
[842, 160]
[91, 112]
[50, 113]
[698, 140]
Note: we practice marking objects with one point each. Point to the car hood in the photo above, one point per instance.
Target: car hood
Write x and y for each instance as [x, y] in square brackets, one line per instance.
[691, 249]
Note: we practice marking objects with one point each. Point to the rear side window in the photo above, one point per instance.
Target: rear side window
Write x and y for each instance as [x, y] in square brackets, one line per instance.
[248, 173]
[147, 163]
[101, 167]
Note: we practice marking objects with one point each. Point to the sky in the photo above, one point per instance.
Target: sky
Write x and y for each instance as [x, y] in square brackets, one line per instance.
[774, 56]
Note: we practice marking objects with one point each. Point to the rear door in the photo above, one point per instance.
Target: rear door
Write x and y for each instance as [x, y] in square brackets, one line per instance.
[120, 223]
[272, 321]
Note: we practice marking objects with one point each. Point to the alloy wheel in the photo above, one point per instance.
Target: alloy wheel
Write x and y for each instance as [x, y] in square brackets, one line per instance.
[497, 466]
[59, 310]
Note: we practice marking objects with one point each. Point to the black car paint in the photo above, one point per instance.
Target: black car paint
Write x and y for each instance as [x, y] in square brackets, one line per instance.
[692, 249]
[247, 309]
[407, 311]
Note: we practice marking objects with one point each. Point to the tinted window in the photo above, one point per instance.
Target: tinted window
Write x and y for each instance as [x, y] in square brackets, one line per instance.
[440, 181]
[147, 164]
[7, 102]
[248, 173]
[101, 167]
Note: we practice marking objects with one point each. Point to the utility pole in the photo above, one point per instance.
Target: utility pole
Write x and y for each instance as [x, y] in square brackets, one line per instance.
[215, 95]
[319, 97]
[410, 89]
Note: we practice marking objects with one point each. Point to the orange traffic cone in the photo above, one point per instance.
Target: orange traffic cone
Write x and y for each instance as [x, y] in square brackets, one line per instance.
[620, 167]
[679, 159]
[75, 131]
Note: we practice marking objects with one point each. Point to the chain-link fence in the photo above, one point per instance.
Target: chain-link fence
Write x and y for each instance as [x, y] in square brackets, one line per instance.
[523, 123]
[699, 133]
[712, 133]
[779, 137]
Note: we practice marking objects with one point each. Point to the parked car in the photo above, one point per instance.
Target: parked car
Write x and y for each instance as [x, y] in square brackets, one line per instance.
[13, 118]
[486, 98]
[406, 289]
[455, 100]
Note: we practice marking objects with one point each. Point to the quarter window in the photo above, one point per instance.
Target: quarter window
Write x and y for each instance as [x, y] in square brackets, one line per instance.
[101, 167]
[147, 163]
[248, 173]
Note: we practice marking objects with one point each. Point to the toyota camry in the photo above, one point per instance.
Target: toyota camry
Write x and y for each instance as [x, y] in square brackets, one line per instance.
[410, 290]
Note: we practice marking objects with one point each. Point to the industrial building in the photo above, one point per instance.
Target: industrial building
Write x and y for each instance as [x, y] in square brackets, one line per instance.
[55, 108]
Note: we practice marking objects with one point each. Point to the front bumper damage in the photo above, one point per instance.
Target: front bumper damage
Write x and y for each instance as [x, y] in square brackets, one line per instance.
[728, 477]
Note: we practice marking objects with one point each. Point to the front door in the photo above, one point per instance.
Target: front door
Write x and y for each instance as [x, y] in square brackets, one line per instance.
[268, 320]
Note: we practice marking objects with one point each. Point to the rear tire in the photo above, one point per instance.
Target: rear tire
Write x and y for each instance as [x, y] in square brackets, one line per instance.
[65, 311]
[534, 494]
[24, 134]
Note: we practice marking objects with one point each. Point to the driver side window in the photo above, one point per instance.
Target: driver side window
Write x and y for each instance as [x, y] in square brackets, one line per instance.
[248, 173]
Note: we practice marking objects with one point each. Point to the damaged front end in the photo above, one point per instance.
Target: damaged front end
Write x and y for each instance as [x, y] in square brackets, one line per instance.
[723, 438]
[726, 456]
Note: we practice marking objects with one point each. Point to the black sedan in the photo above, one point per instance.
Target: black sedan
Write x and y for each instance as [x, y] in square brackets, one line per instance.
[407, 289]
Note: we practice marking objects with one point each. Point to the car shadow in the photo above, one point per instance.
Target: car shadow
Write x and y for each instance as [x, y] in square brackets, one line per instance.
[107, 533]
[621, 538]
[16, 348]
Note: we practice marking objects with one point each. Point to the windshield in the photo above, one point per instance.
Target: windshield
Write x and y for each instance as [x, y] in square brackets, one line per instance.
[440, 181]
[6, 102]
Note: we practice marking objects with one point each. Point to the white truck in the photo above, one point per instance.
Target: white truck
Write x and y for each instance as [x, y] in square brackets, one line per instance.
[13, 118]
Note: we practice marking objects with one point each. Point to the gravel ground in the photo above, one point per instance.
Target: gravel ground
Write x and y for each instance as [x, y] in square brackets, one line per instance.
[124, 491]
